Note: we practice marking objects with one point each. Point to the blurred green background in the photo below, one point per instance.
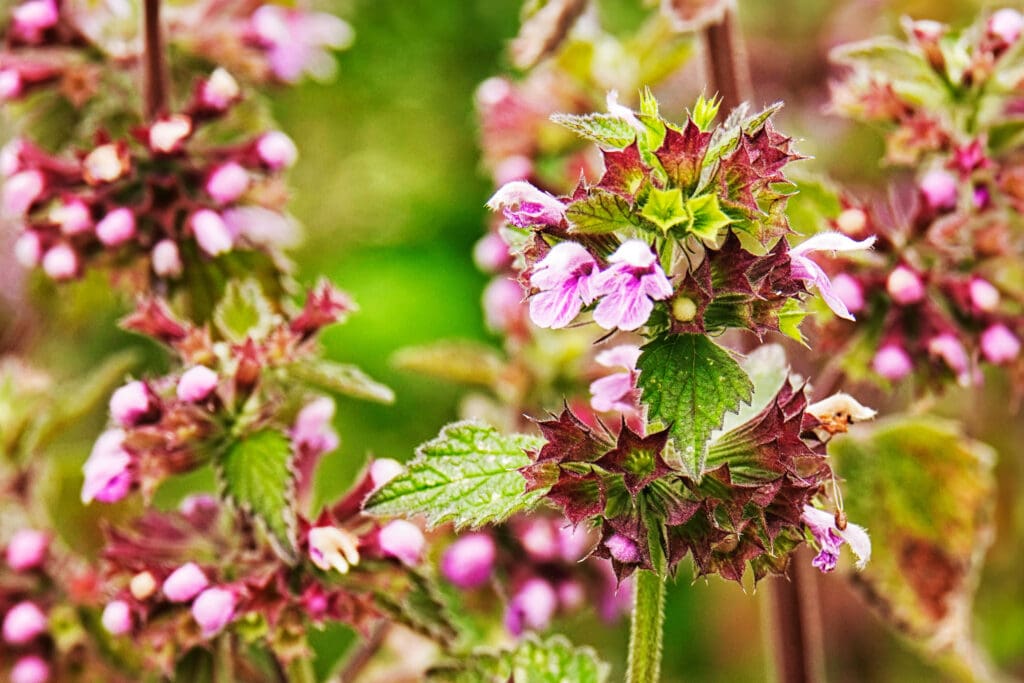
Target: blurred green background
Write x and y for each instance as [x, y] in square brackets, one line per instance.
[391, 194]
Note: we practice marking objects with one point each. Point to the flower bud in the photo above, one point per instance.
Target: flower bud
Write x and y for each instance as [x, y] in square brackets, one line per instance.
[947, 347]
[684, 309]
[10, 84]
[892, 362]
[852, 222]
[130, 403]
[211, 232]
[219, 91]
[196, 384]
[622, 549]
[28, 249]
[227, 182]
[849, 292]
[984, 296]
[383, 470]
[117, 227]
[27, 550]
[491, 253]
[185, 583]
[276, 150]
[23, 623]
[32, 18]
[213, 610]
[30, 669]
[999, 344]
[939, 189]
[142, 586]
[403, 541]
[72, 216]
[981, 197]
[60, 262]
[312, 432]
[469, 561]
[531, 607]
[1006, 25]
[166, 135]
[21, 190]
[107, 478]
[117, 618]
[167, 259]
[904, 286]
[333, 548]
[105, 164]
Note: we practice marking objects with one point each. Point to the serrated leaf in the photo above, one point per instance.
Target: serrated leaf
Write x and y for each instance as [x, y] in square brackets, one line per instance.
[462, 361]
[256, 475]
[600, 213]
[553, 660]
[926, 494]
[243, 312]
[728, 134]
[689, 383]
[897, 63]
[421, 607]
[604, 129]
[665, 208]
[707, 217]
[468, 475]
[341, 378]
[791, 316]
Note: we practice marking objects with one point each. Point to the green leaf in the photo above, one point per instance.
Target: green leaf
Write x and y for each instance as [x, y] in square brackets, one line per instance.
[689, 383]
[462, 361]
[791, 316]
[553, 660]
[926, 494]
[468, 475]
[899, 64]
[705, 111]
[707, 217]
[341, 378]
[665, 208]
[600, 213]
[727, 135]
[421, 608]
[243, 312]
[604, 129]
[255, 474]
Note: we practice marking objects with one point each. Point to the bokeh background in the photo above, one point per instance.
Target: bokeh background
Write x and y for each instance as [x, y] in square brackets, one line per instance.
[391, 194]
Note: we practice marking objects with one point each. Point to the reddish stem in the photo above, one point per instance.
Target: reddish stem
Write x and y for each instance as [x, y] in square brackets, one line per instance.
[155, 80]
[795, 623]
[728, 71]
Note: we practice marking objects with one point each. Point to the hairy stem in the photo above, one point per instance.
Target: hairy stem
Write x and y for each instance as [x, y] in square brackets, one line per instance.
[728, 71]
[794, 624]
[646, 628]
[155, 78]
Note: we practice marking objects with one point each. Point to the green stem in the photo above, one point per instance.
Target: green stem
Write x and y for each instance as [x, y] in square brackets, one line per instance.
[646, 627]
[301, 671]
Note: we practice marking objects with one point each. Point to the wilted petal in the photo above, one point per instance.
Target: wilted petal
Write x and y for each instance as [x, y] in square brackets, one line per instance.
[860, 543]
[831, 241]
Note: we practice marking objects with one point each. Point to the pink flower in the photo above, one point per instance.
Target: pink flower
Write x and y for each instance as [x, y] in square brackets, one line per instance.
[166, 259]
[117, 227]
[60, 262]
[622, 549]
[72, 215]
[804, 268]
[616, 391]
[312, 432]
[167, 135]
[276, 150]
[1006, 24]
[33, 18]
[939, 189]
[947, 347]
[849, 291]
[130, 403]
[469, 561]
[892, 362]
[262, 226]
[21, 191]
[185, 583]
[196, 384]
[295, 41]
[402, 540]
[503, 304]
[531, 607]
[999, 344]
[905, 286]
[830, 538]
[23, 623]
[30, 669]
[28, 249]
[107, 478]
[383, 470]
[117, 618]
[524, 205]
[539, 538]
[227, 182]
[219, 91]
[564, 277]
[214, 609]
[491, 253]
[27, 550]
[629, 287]
[211, 232]
[984, 296]
[10, 84]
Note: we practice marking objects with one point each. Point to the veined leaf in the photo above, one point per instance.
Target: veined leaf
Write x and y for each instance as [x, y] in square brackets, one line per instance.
[604, 129]
[665, 208]
[553, 660]
[707, 217]
[902, 66]
[458, 360]
[243, 312]
[341, 378]
[602, 212]
[468, 475]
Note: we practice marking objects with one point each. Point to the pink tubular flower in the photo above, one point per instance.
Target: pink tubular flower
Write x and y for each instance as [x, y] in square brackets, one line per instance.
[276, 150]
[491, 253]
[130, 403]
[21, 190]
[947, 347]
[296, 40]
[312, 432]
[23, 623]
[27, 550]
[1006, 24]
[60, 262]
[30, 669]
[830, 538]
[999, 344]
[503, 304]
[564, 278]
[107, 478]
[540, 539]
[166, 259]
[629, 287]
[185, 583]
[892, 362]
[117, 618]
[116, 228]
[227, 182]
[939, 189]
[403, 541]
[531, 607]
[211, 232]
[31, 19]
[196, 384]
[524, 205]
[849, 291]
[469, 561]
[905, 286]
[214, 609]
[804, 268]
[615, 391]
